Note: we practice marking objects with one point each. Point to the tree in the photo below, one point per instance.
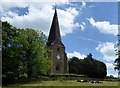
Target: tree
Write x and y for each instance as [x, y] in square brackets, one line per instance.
[117, 60]
[87, 66]
[0, 36]
[24, 51]
[10, 60]
[73, 65]
[94, 68]
[33, 52]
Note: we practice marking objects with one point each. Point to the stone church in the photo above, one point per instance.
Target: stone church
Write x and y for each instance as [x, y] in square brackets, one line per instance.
[56, 48]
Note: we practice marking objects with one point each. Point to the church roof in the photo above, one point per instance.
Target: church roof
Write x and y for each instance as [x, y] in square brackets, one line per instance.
[54, 35]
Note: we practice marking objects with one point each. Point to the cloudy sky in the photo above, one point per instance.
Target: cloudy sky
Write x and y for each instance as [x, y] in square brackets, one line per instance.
[86, 27]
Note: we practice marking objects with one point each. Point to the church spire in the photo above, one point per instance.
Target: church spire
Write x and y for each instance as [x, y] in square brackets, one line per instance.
[54, 36]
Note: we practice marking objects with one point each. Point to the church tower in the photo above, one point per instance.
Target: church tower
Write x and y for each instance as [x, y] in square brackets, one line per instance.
[56, 48]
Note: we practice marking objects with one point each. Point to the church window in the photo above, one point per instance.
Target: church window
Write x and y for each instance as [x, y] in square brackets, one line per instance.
[58, 49]
[57, 67]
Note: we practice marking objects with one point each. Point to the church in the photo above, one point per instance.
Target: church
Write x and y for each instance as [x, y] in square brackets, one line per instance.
[56, 48]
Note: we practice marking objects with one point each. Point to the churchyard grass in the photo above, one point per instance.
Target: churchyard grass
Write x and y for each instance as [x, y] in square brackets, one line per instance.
[64, 83]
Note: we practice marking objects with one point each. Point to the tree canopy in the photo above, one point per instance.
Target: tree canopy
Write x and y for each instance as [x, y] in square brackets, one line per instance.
[24, 51]
[117, 60]
[87, 66]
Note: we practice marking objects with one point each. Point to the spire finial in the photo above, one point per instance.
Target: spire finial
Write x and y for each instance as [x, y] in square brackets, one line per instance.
[54, 36]
[55, 6]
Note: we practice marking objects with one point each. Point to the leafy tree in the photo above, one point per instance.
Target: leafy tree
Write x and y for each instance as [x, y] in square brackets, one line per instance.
[10, 60]
[0, 53]
[88, 63]
[23, 51]
[117, 62]
[87, 66]
[0, 36]
[94, 68]
[33, 52]
[73, 65]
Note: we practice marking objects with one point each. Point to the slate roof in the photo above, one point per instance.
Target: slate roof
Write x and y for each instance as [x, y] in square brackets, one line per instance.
[54, 35]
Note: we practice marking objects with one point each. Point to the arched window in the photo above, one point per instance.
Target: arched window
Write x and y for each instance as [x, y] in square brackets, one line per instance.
[57, 67]
[58, 49]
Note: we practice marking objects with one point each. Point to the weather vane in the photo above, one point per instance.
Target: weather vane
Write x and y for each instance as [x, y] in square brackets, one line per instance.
[55, 5]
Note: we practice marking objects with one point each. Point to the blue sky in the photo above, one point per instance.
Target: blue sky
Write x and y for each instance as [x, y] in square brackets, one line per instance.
[99, 12]
[86, 27]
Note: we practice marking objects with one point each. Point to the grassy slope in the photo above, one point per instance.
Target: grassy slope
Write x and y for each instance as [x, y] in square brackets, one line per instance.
[66, 83]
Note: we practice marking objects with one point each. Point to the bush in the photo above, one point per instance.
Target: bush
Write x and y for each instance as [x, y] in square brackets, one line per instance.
[23, 76]
[66, 75]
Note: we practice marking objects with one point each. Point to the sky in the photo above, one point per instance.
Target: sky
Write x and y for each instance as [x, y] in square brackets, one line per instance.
[85, 27]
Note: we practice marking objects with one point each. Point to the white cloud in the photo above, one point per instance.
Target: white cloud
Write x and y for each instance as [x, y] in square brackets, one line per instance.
[75, 54]
[110, 70]
[95, 0]
[109, 56]
[66, 20]
[113, 74]
[108, 50]
[83, 4]
[88, 39]
[104, 26]
[82, 26]
[60, 1]
[40, 16]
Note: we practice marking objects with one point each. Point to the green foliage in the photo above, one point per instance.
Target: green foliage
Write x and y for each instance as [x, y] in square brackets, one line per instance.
[23, 75]
[24, 52]
[0, 36]
[117, 62]
[87, 66]
[10, 60]
[66, 75]
[33, 52]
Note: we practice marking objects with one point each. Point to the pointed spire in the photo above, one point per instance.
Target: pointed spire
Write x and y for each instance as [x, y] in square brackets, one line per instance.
[55, 6]
[54, 36]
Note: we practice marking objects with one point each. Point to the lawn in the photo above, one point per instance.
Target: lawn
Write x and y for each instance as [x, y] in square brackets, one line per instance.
[66, 84]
